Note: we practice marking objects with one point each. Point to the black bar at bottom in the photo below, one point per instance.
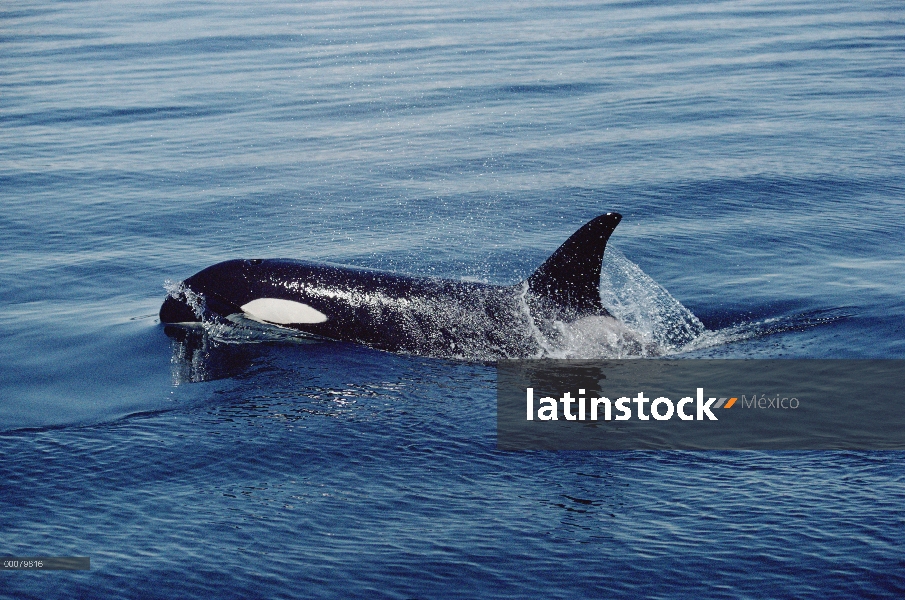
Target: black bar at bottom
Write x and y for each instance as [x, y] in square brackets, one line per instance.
[45, 563]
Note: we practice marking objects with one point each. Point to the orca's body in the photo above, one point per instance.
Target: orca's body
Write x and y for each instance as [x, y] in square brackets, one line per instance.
[394, 312]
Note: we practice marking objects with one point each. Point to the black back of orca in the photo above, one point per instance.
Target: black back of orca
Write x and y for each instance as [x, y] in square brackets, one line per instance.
[400, 313]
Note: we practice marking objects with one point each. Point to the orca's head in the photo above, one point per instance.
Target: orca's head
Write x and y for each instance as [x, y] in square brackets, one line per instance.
[192, 303]
[254, 288]
[176, 309]
[208, 293]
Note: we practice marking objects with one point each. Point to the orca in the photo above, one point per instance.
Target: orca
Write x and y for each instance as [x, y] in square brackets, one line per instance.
[398, 313]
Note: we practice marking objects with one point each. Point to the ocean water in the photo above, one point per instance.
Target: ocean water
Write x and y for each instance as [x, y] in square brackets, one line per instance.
[756, 151]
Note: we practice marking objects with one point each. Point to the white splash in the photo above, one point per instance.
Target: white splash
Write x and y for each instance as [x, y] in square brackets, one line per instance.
[643, 306]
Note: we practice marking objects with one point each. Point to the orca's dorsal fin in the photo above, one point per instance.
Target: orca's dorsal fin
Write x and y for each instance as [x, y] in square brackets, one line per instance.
[570, 279]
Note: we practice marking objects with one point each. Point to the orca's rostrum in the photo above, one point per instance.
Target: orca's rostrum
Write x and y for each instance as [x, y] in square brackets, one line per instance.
[419, 315]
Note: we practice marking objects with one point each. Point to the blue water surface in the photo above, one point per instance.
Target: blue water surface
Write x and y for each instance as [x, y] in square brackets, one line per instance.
[755, 149]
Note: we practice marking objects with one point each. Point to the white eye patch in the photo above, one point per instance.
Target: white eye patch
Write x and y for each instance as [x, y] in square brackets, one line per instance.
[282, 312]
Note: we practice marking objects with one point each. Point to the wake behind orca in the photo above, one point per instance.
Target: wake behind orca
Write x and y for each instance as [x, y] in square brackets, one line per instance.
[397, 313]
